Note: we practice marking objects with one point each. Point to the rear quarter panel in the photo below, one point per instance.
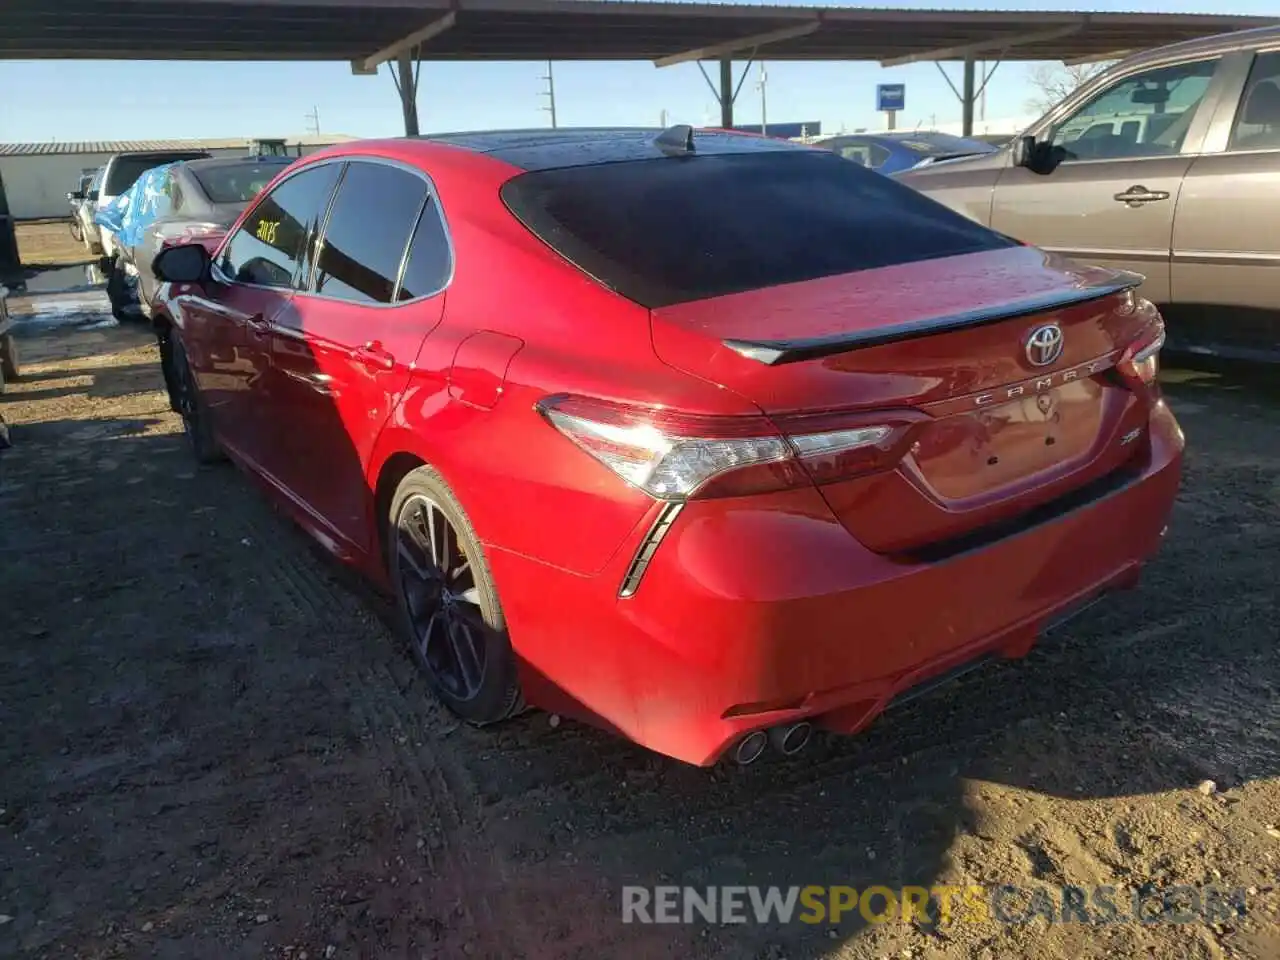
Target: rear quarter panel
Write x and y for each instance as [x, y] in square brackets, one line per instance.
[525, 487]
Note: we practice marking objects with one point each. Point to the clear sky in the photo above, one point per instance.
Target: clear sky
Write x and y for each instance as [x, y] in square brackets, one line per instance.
[115, 100]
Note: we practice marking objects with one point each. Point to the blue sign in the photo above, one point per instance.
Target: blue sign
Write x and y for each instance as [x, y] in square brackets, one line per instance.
[891, 96]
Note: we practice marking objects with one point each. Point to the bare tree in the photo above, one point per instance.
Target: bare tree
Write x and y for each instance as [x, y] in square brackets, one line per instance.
[1053, 82]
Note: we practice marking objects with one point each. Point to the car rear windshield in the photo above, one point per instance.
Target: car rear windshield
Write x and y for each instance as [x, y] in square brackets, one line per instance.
[125, 171]
[686, 228]
[236, 182]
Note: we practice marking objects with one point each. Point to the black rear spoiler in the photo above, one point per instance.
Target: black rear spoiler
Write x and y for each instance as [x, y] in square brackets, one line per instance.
[774, 352]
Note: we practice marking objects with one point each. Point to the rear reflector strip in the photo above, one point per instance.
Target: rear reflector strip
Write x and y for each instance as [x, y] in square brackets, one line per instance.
[648, 547]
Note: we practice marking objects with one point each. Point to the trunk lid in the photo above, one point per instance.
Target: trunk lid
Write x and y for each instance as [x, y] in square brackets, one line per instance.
[998, 432]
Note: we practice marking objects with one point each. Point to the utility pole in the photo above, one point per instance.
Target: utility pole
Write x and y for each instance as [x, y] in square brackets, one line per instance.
[550, 94]
[764, 106]
[982, 98]
[662, 118]
[314, 117]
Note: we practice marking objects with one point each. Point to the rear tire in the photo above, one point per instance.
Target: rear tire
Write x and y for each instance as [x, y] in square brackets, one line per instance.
[8, 359]
[191, 407]
[447, 604]
[119, 293]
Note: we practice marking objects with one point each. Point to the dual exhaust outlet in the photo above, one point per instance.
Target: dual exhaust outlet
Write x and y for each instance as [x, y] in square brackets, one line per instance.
[788, 740]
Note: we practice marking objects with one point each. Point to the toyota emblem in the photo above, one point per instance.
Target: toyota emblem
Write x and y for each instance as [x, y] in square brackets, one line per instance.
[1044, 345]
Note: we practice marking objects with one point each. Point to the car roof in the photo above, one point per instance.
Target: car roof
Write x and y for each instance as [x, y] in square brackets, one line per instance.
[161, 154]
[859, 137]
[934, 137]
[584, 146]
[904, 138]
[1218, 43]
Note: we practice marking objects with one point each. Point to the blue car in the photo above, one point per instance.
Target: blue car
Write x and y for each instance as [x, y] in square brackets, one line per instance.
[893, 152]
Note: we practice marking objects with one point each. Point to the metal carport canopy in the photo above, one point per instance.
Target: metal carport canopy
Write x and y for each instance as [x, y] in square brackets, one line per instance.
[369, 32]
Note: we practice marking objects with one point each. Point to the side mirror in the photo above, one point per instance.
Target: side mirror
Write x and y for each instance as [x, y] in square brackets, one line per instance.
[75, 195]
[92, 196]
[1038, 156]
[184, 263]
[1024, 151]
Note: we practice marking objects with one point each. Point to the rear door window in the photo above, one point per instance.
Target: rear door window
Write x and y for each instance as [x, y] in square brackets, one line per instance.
[430, 257]
[675, 229]
[879, 156]
[368, 231]
[269, 247]
[1257, 125]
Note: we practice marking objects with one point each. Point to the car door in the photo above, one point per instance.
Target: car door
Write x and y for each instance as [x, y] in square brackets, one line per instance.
[1118, 164]
[1226, 248]
[227, 327]
[343, 356]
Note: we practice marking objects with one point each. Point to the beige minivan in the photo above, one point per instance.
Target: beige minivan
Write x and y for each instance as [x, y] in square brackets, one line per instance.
[1167, 164]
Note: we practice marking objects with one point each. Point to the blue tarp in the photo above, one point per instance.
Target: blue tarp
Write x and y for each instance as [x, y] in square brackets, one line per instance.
[137, 208]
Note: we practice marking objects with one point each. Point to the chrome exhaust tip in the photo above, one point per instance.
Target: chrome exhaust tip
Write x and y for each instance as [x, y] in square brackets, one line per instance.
[750, 748]
[790, 740]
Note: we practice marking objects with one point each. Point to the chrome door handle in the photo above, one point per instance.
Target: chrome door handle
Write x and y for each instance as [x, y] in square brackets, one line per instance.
[1138, 195]
[373, 354]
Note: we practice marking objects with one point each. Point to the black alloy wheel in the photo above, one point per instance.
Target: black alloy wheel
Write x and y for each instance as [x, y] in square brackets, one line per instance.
[442, 600]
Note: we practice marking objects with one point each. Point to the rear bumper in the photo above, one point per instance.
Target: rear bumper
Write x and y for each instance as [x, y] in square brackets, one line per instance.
[760, 611]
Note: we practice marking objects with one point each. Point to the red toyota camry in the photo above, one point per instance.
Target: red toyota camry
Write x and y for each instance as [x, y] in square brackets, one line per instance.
[702, 438]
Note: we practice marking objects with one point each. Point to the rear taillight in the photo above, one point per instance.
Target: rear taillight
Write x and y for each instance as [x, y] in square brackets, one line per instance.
[676, 456]
[1140, 363]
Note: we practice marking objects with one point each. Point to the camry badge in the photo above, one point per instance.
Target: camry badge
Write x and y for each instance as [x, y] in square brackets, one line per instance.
[1044, 345]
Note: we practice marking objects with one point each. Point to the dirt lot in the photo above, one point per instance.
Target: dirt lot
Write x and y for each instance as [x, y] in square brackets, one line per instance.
[43, 243]
[214, 748]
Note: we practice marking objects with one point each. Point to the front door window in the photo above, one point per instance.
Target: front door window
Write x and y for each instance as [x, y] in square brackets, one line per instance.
[1146, 114]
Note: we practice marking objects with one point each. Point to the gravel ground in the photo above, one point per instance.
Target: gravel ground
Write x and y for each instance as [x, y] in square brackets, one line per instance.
[47, 242]
[213, 747]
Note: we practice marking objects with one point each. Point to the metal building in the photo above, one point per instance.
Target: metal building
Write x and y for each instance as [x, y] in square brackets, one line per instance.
[37, 176]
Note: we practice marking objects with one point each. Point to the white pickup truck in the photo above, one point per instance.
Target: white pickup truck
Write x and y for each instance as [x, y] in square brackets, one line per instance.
[119, 174]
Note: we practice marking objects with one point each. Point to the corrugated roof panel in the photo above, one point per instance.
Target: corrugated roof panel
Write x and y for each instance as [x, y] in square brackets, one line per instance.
[132, 146]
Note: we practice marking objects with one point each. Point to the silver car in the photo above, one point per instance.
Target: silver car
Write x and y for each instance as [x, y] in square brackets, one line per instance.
[1168, 164]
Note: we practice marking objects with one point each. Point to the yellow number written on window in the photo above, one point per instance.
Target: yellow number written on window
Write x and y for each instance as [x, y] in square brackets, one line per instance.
[267, 230]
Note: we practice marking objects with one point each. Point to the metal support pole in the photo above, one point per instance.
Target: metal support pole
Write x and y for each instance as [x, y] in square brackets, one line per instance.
[764, 104]
[408, 87]
[726, 93]
[967, 96]
[551, 93]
